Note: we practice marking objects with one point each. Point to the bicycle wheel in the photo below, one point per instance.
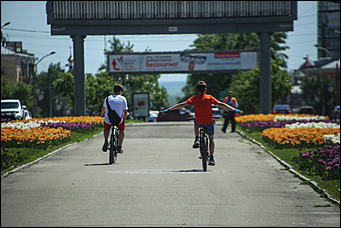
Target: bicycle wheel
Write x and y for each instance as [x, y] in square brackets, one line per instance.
[203, 152]
[111, 149]
[115, 145]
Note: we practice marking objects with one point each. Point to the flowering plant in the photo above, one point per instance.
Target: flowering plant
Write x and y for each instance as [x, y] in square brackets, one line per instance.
[323, 161]
[297, 137]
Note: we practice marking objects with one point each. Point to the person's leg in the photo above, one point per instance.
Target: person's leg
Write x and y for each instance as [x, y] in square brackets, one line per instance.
[233, 123]
[223, 129]
[121, 128]
[196, 135]
[212, 144]
[106, 133]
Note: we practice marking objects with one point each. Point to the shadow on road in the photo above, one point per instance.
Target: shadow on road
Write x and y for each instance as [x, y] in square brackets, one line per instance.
[189, 171]
[97, 164]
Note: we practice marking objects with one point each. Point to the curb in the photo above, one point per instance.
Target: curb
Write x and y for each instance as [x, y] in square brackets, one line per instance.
[312, 184]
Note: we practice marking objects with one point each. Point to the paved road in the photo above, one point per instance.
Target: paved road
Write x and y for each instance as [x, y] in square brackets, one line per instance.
[158, 182]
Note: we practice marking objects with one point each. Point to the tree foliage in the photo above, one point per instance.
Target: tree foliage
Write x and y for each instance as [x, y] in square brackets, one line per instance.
[20, 90]
[219, 83]
[318, 90]
[245, 87]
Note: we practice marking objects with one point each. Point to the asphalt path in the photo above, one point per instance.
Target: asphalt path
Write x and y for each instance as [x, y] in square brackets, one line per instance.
[158, 181]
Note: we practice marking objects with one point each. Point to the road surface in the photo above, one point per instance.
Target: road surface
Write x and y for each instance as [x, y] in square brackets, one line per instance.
[158, 181]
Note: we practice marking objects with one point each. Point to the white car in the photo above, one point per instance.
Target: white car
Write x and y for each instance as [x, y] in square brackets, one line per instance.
[27, 115]
[12, 109]
[152, 116]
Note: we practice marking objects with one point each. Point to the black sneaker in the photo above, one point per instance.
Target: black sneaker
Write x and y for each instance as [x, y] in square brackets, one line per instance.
[196, 143]
[119, 150]
[105, 146]
[224, 131]
[211, 161]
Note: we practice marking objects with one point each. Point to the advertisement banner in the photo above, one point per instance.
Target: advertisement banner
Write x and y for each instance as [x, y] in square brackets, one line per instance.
[182, 62]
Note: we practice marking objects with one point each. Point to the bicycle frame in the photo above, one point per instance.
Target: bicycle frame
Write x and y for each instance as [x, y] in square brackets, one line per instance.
[203, 148]
[113, 145]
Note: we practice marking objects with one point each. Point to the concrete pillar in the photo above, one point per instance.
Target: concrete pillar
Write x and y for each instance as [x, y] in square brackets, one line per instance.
[265, 73]
[79, 95]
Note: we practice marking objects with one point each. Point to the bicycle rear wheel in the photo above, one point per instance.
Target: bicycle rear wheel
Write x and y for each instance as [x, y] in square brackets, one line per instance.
[111, 150]
[113, 147]
[204, 152]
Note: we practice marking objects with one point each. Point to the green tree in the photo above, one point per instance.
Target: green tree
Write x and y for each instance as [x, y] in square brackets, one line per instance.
[318, 91]
[219, 82]
[20, 90]
[46, 88]
[245, 86]
[134, 83]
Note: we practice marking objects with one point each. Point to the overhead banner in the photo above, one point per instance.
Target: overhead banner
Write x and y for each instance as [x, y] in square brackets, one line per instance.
[182, 62]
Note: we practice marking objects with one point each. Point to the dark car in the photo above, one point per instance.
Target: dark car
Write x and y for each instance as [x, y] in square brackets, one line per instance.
[175, 115]
[282, 109]
[306, 110]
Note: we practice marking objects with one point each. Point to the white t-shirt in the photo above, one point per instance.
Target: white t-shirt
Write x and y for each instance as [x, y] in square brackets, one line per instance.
[118, 103]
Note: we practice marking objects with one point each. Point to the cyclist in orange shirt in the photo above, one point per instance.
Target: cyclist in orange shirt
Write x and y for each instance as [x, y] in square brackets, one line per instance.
[202, 103]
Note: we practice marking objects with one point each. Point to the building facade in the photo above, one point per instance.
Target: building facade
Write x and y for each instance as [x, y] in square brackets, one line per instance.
[16, 64]
[328, 29]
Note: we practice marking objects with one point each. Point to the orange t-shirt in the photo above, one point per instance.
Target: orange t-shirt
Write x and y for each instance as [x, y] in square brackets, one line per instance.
[203, 108]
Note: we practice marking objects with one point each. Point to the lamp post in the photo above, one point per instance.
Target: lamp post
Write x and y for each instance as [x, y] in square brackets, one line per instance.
[7, 23]
[34, 85]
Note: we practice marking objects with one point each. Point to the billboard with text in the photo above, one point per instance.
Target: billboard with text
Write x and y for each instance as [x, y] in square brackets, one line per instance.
[181, 62]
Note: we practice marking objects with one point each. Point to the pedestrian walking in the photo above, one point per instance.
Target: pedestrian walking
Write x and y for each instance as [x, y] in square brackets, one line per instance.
[229, 116]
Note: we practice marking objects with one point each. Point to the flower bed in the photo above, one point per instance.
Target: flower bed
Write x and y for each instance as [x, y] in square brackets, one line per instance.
[262, 125]
[41, 132]
[324, 161]
[33, 137]
[297, 137]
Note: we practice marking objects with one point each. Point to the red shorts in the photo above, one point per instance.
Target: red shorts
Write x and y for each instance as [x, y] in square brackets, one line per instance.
[120, 127]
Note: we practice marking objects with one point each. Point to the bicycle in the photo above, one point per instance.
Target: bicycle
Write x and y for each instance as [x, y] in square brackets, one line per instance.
[113, 145]
[203, 147]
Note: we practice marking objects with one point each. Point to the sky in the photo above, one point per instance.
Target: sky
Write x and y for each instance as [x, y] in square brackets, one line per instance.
[28, 23]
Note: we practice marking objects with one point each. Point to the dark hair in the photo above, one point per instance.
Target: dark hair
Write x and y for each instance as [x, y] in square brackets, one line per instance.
[118, 88]
[201, 86]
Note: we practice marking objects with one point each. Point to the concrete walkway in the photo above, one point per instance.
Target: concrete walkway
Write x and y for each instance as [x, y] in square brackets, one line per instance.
[158, 182]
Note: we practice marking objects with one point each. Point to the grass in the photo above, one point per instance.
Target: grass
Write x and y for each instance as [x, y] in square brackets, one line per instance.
[332, 187]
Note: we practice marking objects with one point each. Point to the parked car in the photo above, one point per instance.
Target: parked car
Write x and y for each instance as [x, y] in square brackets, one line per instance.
[152, 116]
[216, 112]
[175, 115]
[11, 109]
[336, 113]
[281, 109]
[306, 110]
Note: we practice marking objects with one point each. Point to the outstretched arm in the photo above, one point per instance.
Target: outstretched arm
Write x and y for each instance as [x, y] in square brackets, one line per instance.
[177, 106]
[228, 107]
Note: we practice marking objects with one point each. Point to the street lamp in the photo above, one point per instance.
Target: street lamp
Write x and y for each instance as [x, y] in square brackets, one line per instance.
[7, 23]
[34, 85]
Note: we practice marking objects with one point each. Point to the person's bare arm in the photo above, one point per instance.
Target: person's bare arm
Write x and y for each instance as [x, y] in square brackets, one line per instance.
[125, 113]
[103, 110]
[179, 105]
[227, 107]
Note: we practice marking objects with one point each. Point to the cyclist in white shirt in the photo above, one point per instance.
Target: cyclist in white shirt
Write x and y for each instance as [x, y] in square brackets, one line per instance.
[118, 103]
